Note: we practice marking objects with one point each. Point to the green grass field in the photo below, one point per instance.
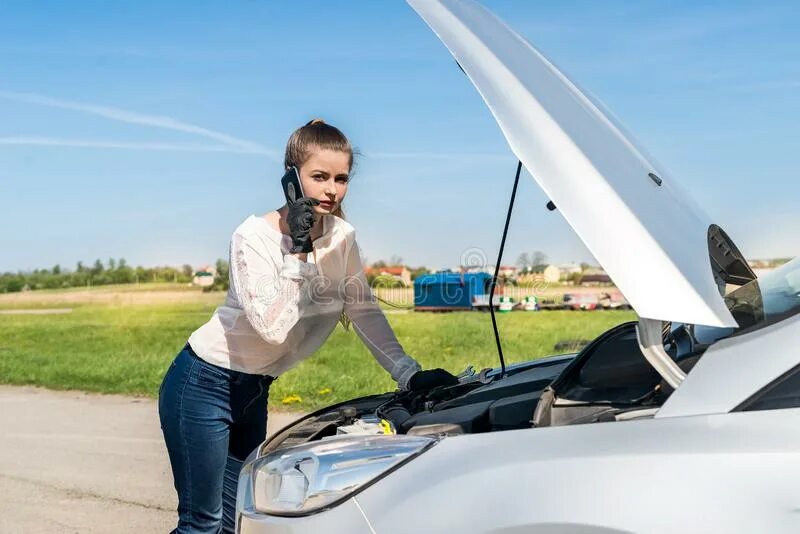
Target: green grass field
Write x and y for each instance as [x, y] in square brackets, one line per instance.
[111, 343]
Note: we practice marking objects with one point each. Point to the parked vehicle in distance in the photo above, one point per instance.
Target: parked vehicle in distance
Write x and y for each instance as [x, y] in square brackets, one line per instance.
[548, 304]
[580, 301]
[481, 302]
[613, 300]
[529, 303]
[501, 303]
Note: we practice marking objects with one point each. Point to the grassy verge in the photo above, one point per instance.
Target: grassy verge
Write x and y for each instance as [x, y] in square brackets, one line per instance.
[112, 348]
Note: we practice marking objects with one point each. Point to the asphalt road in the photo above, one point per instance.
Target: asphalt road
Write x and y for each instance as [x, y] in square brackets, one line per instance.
[80, 463]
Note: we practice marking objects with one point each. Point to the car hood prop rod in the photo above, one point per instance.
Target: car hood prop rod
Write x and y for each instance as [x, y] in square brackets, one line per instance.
[649, 333]
[497, 272]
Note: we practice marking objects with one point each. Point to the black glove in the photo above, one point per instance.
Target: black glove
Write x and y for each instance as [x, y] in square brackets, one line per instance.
[425, 380]
[301, 220]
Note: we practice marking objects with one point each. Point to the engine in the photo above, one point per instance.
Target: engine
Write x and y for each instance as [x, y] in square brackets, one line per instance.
[481, 402]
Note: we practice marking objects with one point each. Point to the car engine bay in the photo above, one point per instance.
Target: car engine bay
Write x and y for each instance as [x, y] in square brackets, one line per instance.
[608, 380]
[481, 402]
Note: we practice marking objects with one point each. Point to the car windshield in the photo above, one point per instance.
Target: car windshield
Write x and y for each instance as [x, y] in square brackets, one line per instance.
[770, 298]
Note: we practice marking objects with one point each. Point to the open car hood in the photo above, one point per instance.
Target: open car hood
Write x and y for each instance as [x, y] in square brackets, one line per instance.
[636, 221]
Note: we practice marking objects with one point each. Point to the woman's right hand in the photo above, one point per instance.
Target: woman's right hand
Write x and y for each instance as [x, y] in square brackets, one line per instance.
[301, 220]
[431, 378]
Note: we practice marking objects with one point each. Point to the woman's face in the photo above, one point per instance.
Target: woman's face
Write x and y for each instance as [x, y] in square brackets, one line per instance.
[324, 176]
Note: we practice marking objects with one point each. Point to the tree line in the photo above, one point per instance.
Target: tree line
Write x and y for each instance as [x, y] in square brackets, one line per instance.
[98, 274]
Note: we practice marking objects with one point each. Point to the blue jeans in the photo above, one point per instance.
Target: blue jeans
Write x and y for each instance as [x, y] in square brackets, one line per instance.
[212, 418]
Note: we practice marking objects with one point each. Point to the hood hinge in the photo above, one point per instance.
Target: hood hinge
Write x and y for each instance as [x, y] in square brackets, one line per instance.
[649, 333]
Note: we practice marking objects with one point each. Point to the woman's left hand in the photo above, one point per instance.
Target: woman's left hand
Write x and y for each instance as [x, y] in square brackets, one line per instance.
[431, 378]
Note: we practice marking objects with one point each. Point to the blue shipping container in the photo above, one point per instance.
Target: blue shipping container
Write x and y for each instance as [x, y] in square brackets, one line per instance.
[448, 290]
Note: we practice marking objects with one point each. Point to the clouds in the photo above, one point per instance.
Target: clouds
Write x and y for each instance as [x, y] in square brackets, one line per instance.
[124, 145]
[225, 142]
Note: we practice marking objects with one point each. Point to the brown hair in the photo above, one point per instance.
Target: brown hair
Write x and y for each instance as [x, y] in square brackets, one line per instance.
[317, 134]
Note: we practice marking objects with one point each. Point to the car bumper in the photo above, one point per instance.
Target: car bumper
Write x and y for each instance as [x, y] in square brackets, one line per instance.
[346, 517]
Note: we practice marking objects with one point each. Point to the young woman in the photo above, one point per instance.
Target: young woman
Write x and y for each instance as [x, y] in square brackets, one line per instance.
[294, 273]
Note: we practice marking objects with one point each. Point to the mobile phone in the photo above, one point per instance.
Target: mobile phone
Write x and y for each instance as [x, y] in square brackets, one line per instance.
[290, 183]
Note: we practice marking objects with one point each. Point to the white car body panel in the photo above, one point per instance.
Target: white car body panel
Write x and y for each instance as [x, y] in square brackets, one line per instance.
[731, 473]
[733, 369]
[345, 518]
[652, 240]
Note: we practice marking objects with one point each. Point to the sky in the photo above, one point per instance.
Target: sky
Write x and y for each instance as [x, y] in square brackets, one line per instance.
[149, 130]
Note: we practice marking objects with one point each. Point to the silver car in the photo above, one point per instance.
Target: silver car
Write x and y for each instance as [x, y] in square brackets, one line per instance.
[686, 420]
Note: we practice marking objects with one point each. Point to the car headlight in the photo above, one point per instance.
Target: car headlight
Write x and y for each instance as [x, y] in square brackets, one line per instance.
[315, 476]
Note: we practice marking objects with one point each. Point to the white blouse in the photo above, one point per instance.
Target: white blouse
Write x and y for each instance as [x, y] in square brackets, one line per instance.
[280, 310]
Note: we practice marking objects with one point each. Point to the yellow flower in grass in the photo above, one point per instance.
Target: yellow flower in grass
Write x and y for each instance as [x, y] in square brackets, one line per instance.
[291, 399]
[324, 391]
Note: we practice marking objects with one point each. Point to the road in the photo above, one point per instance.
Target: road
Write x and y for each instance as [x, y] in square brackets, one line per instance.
[74, 462]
